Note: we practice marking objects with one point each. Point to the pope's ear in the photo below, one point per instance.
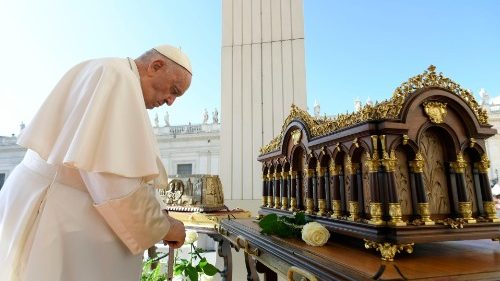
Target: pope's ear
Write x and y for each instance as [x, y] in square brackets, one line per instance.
[156, 65]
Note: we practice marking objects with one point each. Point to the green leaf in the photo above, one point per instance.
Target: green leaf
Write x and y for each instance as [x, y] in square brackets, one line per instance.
[192, 273]
[203, 262]
[210, 270]
[267, 223]
[300, 218]
[178, 269]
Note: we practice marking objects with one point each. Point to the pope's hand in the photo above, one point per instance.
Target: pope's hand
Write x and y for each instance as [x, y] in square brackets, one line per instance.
[176, 235]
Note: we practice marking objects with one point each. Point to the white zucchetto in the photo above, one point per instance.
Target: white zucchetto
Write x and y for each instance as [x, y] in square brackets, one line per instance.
[176, 55]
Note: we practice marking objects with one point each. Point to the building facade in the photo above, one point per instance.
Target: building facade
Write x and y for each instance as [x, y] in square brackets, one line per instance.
[184, 149]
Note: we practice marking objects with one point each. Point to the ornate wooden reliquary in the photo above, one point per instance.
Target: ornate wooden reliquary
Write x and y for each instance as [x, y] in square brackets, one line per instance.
[407, 170]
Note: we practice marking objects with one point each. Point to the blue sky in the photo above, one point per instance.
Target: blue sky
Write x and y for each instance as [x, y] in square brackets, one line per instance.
[354, 49]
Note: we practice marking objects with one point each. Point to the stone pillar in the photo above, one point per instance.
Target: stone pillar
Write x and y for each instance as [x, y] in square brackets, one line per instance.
[263, 74]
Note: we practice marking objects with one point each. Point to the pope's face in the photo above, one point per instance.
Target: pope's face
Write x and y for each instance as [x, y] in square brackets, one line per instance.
[164, 83]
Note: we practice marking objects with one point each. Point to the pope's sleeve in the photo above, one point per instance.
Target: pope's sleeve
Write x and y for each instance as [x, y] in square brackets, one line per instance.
[129, 207]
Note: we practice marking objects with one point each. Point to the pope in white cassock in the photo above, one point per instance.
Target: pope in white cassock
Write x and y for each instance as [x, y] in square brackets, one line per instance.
[80, 205]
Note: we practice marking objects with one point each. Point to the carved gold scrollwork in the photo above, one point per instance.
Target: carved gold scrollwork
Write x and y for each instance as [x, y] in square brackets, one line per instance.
[417, 165]
[376, 214]
[388, 109]
[334, 169]
[396, 215]
[306, 275]
[484, 165]
[371, 164]
[337, 209]
[353, 210]
[348, 165]
[489, 208]
[425, 214]
[388, 250]
[405, 139]
[460, 165]
[465, 210]
[390, 162]
[296, 135]
[436, 111]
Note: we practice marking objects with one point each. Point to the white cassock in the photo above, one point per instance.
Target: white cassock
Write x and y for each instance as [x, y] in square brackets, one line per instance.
[78, 206]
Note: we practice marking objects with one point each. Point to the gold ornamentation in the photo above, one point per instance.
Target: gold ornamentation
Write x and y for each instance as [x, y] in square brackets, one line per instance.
[296, 135]
[396, 215]
[460, 165]
[309, 206]
[405, 139]
[376, 214]
[390, 162]
[472, 142]
[383, 146]
[484, 165]
[337, 209]
[269, 202]
[491, 214]
[388, 250]
[321, 207]
[374, 142]
[425, 214]
[320, 171]
[334, 169]
[293, 174]
[371, 164]
[388, 109]
[355, 142]
[309, 173]
[353, 210]
[284, 203]
[264, 201]
[465, 210]
[293, 204]
[436, 111]
[348, 166]
[417, 165]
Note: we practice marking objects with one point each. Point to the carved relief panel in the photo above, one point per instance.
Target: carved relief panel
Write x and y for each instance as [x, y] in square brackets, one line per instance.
[366, 184]
[403, 182]
[436, 186]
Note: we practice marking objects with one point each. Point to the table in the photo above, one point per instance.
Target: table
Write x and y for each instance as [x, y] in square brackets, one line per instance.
[346, 258]
[208, 223]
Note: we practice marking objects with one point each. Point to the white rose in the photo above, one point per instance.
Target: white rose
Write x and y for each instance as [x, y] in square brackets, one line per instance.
[315, 234]
[191, 237]
[205, 277]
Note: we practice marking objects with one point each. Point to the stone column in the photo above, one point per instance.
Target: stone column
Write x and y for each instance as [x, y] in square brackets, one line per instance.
[262, 75]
